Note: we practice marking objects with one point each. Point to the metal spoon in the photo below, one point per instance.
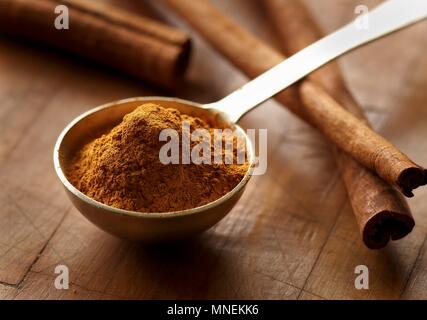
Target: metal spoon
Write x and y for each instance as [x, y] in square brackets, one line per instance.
[388, 17]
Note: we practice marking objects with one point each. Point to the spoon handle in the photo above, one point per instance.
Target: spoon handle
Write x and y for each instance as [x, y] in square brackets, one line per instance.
[385, 18]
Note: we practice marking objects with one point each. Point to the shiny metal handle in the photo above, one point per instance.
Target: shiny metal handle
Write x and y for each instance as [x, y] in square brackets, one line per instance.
[385, 18]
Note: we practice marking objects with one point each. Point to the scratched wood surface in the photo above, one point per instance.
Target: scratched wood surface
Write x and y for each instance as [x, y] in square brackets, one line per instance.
[291, 236]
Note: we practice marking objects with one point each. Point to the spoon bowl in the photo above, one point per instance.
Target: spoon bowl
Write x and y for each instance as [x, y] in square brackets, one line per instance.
[141, 226]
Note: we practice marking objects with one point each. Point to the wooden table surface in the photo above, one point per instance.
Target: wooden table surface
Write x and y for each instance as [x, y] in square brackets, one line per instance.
[291, 236]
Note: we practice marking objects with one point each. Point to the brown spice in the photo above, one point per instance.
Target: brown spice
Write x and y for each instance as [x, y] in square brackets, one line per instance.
[122, 168]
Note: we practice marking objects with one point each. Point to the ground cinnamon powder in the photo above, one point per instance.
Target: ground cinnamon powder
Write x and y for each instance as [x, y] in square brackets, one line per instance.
[122, 167]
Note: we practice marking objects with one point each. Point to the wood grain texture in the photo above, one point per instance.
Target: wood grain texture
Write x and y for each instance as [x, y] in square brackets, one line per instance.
[32, 201]
[308, 296]
[24, 185]
[292, 235]
[7, 292]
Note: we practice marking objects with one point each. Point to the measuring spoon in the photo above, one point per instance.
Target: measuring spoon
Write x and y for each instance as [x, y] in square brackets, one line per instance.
[154, 227]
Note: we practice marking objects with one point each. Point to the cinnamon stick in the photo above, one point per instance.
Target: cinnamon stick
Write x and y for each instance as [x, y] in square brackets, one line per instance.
[143, 25]
[139, 46]
[381, 212]
[352, 135]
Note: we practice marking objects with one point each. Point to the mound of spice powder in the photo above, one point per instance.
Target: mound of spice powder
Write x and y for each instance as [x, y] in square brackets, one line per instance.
[122, 168]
